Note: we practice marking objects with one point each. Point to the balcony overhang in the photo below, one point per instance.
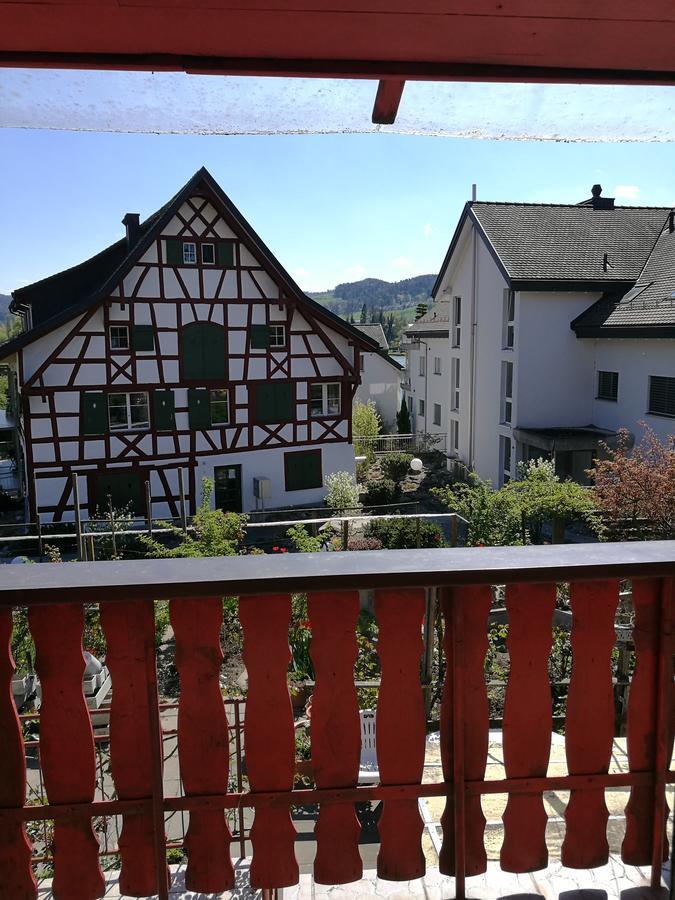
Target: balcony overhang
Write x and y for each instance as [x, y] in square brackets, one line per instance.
[558, 440]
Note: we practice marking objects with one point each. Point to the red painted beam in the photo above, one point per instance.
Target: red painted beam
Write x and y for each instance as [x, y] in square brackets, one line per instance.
[387, 101]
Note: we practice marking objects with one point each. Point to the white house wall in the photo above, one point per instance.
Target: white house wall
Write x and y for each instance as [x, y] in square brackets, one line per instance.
[380, 382]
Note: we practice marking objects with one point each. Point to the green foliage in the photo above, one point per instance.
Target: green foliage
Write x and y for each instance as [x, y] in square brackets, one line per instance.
[342, 494]
[216, 533]
[382, 492]
[303, 744]
[299, 639]
[402, 534]
[493, 516]
[304, 542]
[543, 497]
[115, 545]
[366, 423]
[403, 425]
[396, 465]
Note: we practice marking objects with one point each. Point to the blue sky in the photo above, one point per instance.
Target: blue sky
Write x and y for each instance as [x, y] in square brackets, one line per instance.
[331, 207]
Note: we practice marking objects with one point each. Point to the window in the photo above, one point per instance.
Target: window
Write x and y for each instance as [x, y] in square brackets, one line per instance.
[454, 386]
[278, 336]
[423, 365]
[454, 435]
[661, 395]
[420, 408]
[302, 470]
[456, 320]
[189, 252]
[362, 362]
[608, 386]
[119, 337]
[208, 254]
[220, 407]
[325, 399]
[505, 458]
[507, 393]
[437, 365]
[509, 319]
[437, 413]
[274, 401]
[128, 411]
[203, 351]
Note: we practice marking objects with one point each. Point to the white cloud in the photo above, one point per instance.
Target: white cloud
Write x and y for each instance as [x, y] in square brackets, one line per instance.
[356, 271]
[427, 230]
[301, 273]
[401, 263]
[626, 191]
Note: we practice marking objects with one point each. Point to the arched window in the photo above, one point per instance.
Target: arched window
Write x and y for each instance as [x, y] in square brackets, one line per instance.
[203, 351]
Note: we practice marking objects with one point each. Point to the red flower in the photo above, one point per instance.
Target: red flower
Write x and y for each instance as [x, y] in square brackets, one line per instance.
[284, 550]
[276, 549]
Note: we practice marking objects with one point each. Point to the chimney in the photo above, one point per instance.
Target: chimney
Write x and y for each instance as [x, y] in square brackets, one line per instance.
[671, 221]
[598, 202]
[133, 226]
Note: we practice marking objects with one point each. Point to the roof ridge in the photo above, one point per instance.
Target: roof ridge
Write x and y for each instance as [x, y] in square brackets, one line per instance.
[473, 203]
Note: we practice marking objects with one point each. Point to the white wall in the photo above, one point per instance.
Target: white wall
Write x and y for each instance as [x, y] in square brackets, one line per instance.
[381, 382]
[635, 361]
[431, 388]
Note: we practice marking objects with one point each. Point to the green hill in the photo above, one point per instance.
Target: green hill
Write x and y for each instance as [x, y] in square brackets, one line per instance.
[349, 297]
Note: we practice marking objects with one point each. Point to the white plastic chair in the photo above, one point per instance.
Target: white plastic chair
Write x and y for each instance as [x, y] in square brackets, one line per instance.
[368, 768]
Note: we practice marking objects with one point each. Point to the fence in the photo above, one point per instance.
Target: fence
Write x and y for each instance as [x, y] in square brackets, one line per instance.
[408, 443]
[55, 596]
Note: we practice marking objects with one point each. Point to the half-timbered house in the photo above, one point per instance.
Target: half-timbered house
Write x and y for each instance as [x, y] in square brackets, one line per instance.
[184, 346]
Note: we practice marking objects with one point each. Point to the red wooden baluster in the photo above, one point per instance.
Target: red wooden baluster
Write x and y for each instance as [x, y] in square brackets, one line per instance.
[475, 602]
[130, 629]
[336, 732]
[67, 746]
[269, 740]
[589, 723]
[16, 875]
[401, 729]
[203, 744]
[636, 849]
[527, 722]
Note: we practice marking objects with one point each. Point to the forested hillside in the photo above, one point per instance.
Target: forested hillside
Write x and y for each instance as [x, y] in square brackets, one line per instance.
[349, 298]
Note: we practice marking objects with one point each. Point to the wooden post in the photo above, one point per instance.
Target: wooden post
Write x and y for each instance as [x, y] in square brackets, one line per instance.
[92, 549]
[417, 533]
[181, 491]
[345, 534]
[78, 518]
[428, 655]
[112, 526]
[148, 507]
[39, 536]
[454, 524]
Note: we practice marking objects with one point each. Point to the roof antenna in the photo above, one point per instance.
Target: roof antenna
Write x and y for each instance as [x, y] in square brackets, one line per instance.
[473, 193]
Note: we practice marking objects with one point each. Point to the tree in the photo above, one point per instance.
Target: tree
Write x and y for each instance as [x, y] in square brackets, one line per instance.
[343, 492]
[493, 517]
[421, 310]
[366, 423]
[635, 491]
[364, 314]
[403, 425]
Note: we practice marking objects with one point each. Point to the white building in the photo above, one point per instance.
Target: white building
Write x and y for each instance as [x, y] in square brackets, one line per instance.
[185, 346]
[561, 330]
[381, 378]
[429, 371]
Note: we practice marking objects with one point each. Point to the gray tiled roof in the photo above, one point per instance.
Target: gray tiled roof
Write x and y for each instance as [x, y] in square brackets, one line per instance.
[550, 242]
[376, 333]
[649, 304]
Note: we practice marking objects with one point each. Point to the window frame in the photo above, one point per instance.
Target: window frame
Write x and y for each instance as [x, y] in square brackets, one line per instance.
[506, 398]
[456, 321]
[454, 436]
[423, 365]
[670, 396]
[421, 408]
[505, 450]
[438, 365]
[325, 413]
[206, 262]
[437, 419]
[185, 245]
[614, 398]
[125, 326]
[455, 383]
[129, 425]
[226, 402]
[271, 327]
[508, 319]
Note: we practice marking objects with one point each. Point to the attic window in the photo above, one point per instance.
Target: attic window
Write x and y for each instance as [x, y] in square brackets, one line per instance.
[189, 253]
[208, 254]
[119, 337]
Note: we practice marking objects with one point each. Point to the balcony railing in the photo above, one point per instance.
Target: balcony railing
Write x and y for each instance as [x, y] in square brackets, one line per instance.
[409, 443]
[126, 591]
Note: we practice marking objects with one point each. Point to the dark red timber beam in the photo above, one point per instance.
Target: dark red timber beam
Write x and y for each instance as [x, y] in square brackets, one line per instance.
[563, 41]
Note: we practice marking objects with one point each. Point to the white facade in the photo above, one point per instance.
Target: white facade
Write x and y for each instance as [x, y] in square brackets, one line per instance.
[428, 372]
[381, 382]
[553, 374]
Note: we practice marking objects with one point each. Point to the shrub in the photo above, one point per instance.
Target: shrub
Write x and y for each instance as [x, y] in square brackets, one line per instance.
[401, 534]
[396, 465]
[381, 492]
[403, 418]
[304, 542]
[343, 492]
[364, 543]
[366, 423]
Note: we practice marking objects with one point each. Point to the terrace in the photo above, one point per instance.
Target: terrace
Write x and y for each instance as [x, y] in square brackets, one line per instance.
[470, 769]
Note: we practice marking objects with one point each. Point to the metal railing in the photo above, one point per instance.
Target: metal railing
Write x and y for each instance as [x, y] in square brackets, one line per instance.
[126, 592]
[408, 443]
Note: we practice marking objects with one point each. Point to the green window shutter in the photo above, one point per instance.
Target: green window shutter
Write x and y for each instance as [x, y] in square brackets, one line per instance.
[303, 470]
[174, 252]
[93, 412]
[164, 409]
[142, 337]
[260, 337]
[124, 488]
[198, 408]
[225, 254]
[203, 351]
[274, 402]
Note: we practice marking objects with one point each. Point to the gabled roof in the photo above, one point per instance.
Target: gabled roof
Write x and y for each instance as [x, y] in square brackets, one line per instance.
[647, 309]
[376, 332]
[61, 297]
[552, 246]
